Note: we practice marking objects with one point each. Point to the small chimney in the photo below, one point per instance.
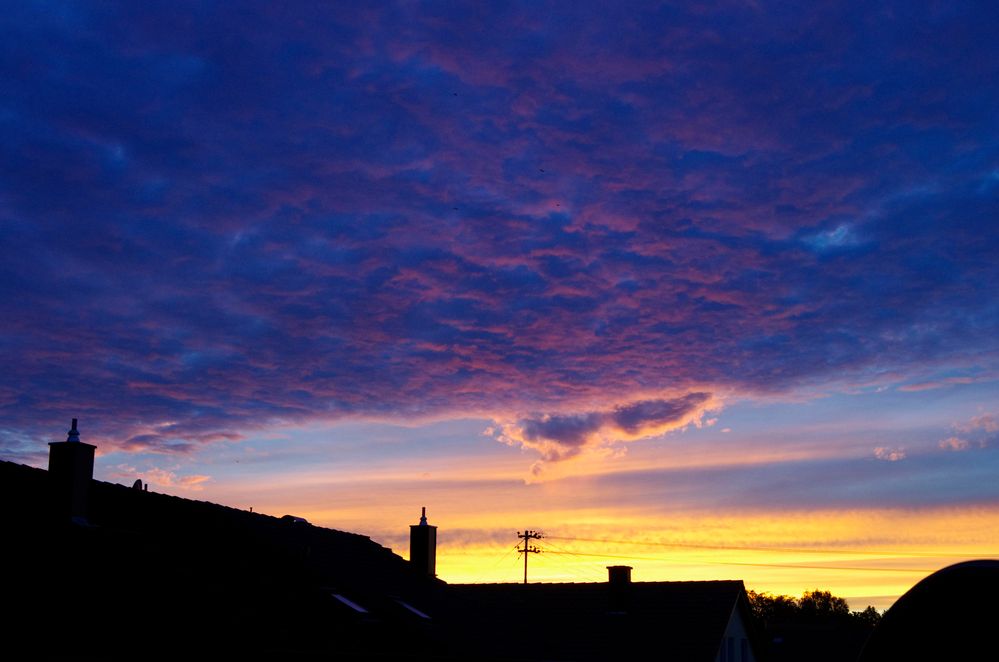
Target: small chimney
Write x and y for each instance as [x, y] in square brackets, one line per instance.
[71, 469]
[423, 546]
[619, 575]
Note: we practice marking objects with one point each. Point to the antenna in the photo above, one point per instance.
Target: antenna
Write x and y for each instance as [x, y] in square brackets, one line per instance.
[527, 536]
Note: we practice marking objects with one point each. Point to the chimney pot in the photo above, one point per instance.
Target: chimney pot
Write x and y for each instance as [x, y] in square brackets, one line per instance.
[73, 434]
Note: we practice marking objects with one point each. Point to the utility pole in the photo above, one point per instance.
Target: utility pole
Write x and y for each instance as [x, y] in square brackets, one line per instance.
[527, 537]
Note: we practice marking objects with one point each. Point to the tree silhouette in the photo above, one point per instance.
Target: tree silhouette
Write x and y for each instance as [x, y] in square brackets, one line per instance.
[822, 604]
[869, 616]
[818, 626]
[768, 607]
[812, 606]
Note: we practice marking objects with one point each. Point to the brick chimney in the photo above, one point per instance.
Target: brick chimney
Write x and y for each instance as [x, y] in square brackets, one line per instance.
[423, 546]
[71, 469]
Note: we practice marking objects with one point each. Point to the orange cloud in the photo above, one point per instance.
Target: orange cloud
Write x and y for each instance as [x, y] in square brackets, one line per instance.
[161, 477]
[955, 444]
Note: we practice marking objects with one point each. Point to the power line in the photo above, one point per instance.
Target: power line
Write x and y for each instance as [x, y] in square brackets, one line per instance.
[564, 566]
[502, 558]
[761, 565]
[789, 550]
[588, 575]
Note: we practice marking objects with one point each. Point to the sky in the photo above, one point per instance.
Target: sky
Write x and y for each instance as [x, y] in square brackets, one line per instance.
[709, 289]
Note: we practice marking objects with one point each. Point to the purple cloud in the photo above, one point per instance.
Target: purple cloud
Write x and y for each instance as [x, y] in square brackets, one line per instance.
[890, 454]
[213, 221]
[563, 436]
[980, 431]
[943, 383]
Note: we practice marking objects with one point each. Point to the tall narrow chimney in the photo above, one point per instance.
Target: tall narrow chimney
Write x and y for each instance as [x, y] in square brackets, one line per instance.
[619, 581]
[71, 468]
[423, 546]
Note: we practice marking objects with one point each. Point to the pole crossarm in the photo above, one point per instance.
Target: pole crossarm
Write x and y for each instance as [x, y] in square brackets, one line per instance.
[527, 536]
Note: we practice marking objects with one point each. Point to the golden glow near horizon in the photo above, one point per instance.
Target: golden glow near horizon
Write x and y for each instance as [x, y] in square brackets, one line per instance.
[865, 556]
[767, 553]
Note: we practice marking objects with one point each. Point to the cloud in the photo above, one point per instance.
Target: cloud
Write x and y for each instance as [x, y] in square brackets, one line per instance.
[983, 423]
[941, 383]
[161, 477]
[889, 454]
[955, 444]
[214, 221]
[858, 484]
[980, 431]
[561, 436]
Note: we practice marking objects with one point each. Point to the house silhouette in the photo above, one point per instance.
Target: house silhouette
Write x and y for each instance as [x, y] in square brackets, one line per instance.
[100, 569]
[696, 620]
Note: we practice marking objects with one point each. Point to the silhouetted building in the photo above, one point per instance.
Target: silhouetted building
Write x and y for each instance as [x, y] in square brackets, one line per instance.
[126, 570]
[423, 546]
[950, 615]
[618, 620]
[136, 571]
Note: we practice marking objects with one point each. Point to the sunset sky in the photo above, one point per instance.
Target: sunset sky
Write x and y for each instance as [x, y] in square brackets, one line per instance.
[708, 289]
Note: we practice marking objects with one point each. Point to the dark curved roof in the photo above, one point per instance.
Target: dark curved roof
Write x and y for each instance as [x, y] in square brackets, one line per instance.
[950, 615]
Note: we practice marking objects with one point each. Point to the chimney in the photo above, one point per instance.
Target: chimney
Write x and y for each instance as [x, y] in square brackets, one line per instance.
[619, 575]
[619, 581]
[423, 546]
[71, 468]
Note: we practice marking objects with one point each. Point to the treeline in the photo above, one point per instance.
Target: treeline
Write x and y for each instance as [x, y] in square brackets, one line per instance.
[813, 606]
[818, 627]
